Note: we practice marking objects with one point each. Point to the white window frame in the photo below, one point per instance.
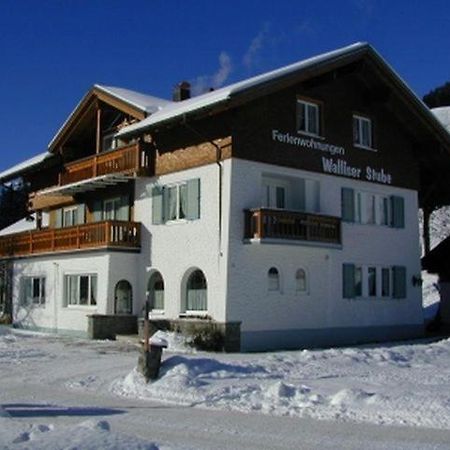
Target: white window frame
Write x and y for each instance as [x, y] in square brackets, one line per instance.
[116, 203]
[177, 188]
[269, 193]
[307, 127]
[67, 295]
[358, 140]
[381, 208]
[40, 299]
[73, 211]
[365, 293]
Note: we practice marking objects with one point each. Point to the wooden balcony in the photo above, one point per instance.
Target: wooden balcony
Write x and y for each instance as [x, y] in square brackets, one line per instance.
[107, 234]
[263, 223]
[129, 160]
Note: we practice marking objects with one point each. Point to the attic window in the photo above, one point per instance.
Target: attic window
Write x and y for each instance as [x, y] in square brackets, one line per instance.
[362, 132]
[308, 117]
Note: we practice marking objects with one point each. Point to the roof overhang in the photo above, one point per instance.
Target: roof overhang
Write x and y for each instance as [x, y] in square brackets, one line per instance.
[83, 186]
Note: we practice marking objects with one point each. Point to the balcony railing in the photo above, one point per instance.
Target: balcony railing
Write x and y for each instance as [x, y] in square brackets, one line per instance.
[265, 223]
[132, 159]
[107, 234]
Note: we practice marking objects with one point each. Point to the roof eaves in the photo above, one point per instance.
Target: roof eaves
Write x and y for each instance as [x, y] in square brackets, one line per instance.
[23, 167]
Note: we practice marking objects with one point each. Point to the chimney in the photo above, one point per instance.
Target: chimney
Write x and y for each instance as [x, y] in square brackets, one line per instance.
[182, 91]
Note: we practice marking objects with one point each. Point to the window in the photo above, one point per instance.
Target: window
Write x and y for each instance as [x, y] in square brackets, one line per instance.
[80, 289]
[385, 282]
[196, 292]
[308, 117]
[177, 198]
[273, 279]
[114, 208]
[374, 281]
[176, 202]
[275, 193]
[123, 297]
[358, 283]
[155, 291]
[33, 290]
[111, 208]
[362, 131]
[108, 141]
[70, 216]
[301, 281]
[370, 208]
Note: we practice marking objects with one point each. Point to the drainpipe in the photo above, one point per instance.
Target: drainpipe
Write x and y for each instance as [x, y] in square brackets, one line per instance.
[220, 171]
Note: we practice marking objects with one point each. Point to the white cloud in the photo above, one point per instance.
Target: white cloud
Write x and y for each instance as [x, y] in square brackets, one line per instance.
[257, 43]
[203, 83]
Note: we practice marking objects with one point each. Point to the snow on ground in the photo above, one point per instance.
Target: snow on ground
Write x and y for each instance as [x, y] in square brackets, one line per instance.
[397, 384]
[405, 384]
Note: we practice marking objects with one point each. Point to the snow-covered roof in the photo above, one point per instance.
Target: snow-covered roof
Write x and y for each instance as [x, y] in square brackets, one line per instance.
[148, 104]
[176, 109]
[25, 225]
[144, 102]
[443, 115]
[18, 169]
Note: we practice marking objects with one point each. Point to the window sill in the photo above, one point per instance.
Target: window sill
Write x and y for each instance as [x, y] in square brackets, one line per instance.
[82, 307]
[311, 135]
[365, 147]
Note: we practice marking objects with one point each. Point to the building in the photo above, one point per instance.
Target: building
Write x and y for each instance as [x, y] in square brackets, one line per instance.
[280, 211]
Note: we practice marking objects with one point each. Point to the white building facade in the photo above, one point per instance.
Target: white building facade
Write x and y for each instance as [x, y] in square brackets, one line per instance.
[280, 212]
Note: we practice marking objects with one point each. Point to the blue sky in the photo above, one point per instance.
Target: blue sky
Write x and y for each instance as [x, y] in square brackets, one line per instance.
[52, 52]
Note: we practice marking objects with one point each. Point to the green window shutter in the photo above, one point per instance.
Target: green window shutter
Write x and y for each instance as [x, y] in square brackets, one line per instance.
[348, 280]
[97, 210]
[58, 218]
[124, 210]
[193, 199]
[158, 205]
[398, 212]
[348, 205]
[81, 214]
[399, 281]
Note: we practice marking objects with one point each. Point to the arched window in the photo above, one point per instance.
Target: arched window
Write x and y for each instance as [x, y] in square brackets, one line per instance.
[301, 281]
[155, 289]
[273, 278]
[196, 292]
[123, 297]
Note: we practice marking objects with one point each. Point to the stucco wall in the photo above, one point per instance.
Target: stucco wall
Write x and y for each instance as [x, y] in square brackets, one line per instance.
[110, 267]
[323, 307]
[176, 248]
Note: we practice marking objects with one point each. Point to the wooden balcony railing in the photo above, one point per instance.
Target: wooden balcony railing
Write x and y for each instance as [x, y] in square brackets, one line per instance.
[132, 159]
[265, 223]
[107, 234]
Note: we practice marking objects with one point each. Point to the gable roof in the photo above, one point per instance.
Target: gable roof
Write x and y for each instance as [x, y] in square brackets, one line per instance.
[227, 96]
[136, 103]
[146, 103]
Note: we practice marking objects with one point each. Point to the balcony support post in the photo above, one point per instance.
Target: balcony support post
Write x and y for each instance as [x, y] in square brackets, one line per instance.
[98, 141]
